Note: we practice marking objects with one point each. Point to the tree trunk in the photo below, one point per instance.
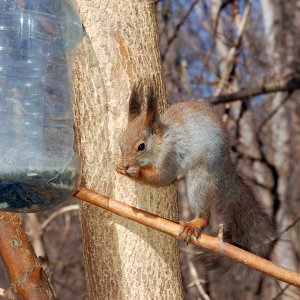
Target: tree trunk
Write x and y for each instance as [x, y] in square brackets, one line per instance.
[282, 28]
[123, 260]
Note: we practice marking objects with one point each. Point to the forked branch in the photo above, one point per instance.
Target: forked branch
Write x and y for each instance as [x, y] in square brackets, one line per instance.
[173, 229]
[24, 268]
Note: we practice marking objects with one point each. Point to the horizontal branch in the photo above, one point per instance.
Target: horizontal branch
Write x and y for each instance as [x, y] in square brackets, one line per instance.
[245, 94]
[173, 229]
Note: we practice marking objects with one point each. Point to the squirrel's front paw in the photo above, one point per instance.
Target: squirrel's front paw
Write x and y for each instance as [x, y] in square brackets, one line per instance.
[133, 171]
[121, 170]
[179, 177]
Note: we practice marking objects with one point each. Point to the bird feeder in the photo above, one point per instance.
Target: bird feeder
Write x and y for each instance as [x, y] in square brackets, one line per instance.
[38, 165]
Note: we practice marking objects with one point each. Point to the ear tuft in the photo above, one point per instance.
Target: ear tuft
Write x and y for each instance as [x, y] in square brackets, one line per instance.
[135, 102]
[152, 116]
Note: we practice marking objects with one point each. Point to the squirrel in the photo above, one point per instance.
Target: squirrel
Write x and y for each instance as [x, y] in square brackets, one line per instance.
[190, 141]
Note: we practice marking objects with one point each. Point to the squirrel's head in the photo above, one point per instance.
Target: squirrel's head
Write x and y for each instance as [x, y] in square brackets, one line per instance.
[140, 141]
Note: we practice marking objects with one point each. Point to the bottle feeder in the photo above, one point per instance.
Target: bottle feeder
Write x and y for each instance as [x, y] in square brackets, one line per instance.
[38, 165]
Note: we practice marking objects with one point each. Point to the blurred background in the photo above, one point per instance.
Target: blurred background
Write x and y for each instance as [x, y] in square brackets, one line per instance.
[246, 55]
[243, 57]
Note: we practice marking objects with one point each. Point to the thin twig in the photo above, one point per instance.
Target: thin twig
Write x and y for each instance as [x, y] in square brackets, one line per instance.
[35, 231]
[197, 281]
[229, 64]
[177, 28]
[63, 210]
[274, 112]
[173, 229]
[215, 32]
[281, 292]
[287, 228]
[246, 94]
[217, 18]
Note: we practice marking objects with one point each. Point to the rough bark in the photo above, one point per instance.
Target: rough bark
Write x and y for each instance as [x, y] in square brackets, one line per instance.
[282, 28]
[123, 260]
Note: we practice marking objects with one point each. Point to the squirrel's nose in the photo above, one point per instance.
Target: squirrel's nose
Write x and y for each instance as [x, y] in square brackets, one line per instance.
[126, 167]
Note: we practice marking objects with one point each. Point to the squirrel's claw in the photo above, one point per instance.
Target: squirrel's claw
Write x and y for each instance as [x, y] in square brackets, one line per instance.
[193, 227]
[188, 231]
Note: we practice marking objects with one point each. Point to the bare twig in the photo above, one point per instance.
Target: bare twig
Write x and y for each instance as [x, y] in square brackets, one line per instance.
[274, 112]
[217, 18]
[197, 281]
[35, 231]
[215, 32]
[24, 268]
[177, 28]
[246, 94]
[287, 228]
[281, 293]
[221, 232]
[61, 211]
[229, 64]
[173, 229]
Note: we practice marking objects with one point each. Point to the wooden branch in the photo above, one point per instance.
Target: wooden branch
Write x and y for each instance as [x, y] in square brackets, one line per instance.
[173, 229]
[24, 268]
[246, 94]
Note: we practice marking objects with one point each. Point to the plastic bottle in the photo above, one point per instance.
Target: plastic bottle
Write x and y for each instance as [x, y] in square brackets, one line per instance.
[38, 165]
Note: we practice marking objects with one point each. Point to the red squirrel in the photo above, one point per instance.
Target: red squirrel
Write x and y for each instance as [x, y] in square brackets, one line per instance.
[190, 141]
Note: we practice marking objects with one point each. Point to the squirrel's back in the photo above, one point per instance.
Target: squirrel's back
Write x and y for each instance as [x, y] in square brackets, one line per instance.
[201, 143]
[196, 132]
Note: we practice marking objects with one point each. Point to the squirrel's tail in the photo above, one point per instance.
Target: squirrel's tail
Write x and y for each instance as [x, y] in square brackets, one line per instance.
[250, 228]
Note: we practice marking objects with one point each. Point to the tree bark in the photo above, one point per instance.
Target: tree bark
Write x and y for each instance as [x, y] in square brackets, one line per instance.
[281, 22]
[123, 260]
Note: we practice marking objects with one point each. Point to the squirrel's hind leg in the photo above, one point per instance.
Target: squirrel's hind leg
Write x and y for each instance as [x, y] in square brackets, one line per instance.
[200, 189]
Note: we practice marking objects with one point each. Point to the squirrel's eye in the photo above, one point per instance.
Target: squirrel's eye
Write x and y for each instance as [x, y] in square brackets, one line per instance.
[141, 147]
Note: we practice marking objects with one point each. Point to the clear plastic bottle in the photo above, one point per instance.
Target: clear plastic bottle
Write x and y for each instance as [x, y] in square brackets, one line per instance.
[38, 165]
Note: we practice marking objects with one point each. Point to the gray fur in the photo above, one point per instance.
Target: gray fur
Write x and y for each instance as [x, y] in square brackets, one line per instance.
[190, 141]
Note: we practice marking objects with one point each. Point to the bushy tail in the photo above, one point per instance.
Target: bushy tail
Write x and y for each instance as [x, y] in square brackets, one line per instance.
[249, 227]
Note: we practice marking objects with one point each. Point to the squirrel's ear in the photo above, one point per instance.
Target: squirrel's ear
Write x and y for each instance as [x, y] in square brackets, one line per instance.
[152, 116]
[134, 102]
